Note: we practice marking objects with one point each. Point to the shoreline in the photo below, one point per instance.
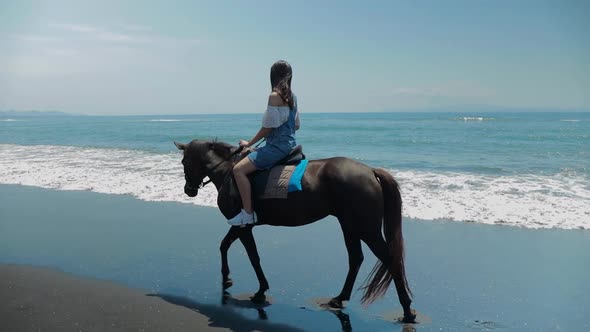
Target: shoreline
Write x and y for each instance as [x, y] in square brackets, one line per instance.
[462, 274]
[199, 206]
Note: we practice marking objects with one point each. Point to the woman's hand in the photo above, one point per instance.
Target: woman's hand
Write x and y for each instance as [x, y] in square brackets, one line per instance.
[243, 143]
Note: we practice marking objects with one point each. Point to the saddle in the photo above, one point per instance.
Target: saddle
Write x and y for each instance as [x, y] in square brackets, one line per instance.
[293, 158]
[228, 198]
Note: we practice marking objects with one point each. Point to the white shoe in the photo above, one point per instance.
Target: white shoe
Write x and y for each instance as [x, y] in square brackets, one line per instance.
[242, 218]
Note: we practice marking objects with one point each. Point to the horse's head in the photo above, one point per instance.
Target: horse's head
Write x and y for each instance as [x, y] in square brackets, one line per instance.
[200, 158]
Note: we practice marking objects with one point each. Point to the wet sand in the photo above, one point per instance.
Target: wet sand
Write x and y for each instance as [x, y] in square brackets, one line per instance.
[41, 299]
[464, 276]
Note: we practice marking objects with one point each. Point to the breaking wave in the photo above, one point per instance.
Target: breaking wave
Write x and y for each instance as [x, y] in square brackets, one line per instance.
[532, 201]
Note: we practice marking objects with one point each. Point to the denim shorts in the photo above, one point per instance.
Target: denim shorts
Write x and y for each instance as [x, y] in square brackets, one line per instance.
[266, 156]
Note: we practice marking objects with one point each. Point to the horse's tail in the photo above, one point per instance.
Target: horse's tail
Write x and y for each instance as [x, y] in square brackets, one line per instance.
[384, 273]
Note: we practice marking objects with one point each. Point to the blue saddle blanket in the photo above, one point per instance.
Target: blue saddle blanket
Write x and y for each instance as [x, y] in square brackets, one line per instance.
[295, 181]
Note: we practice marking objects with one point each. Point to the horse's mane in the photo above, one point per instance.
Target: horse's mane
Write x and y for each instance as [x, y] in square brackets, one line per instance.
[221, 149]
[213, 142]
[216, 142]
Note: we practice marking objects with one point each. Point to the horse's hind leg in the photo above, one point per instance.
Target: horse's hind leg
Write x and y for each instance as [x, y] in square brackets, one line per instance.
[250, 244]
[355, 259]
[378, 246]
[232, 235]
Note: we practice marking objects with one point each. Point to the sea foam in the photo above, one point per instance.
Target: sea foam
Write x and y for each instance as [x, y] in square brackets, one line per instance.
[532, 201]
[176, 120]
[150, 177]
[474, 118]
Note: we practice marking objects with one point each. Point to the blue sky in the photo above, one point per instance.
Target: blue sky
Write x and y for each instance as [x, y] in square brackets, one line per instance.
[178, 57]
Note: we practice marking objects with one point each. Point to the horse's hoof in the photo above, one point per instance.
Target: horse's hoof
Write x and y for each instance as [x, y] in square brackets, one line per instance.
[335, 304]
[258, 298]
[409, 318]
[227, 284]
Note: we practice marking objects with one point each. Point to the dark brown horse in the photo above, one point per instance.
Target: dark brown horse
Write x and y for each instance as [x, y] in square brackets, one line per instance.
[364, 200]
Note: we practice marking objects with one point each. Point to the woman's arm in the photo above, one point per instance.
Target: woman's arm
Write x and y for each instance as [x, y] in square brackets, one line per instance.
[263, 132]
[274, 99]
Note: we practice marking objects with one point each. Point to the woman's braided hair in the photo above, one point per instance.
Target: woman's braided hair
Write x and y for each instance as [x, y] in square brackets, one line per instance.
[280, 80]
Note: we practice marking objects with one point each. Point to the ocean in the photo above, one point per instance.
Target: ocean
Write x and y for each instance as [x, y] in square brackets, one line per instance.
[521, 169]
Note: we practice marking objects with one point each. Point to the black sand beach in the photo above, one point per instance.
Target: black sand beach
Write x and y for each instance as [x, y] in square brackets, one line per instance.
[40, 299]
[464, 276]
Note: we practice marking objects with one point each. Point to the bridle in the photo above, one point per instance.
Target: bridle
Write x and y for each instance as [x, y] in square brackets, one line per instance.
[204, 183]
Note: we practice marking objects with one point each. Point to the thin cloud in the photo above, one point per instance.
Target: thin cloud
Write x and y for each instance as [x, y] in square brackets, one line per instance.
[71, 49]
[121, 38]
[39, 39]
[97, 33]
[125, 34]
[180, 41]
[61, 52]
[134, 27]
[75, 27]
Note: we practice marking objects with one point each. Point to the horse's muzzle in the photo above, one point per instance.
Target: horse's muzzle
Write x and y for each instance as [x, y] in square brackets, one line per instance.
[190, 191]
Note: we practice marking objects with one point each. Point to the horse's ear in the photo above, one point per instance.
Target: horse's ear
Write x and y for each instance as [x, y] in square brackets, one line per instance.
[180, 146]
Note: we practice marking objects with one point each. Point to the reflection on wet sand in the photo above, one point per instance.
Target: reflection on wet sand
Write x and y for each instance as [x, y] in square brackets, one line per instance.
[219, 316]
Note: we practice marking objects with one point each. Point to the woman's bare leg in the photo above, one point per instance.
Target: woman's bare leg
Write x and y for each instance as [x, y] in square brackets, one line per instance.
[241, 171]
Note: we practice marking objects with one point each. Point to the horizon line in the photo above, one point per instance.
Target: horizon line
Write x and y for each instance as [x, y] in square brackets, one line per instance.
[446, 109]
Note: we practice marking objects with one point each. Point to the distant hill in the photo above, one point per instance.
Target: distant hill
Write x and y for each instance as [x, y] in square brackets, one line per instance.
[11, 113]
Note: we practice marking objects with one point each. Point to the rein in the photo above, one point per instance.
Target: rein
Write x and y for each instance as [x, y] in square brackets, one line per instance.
[238, 151]
[204, 183]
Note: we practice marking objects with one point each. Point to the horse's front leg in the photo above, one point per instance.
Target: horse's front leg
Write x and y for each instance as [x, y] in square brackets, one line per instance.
[250, 244]
[232, 235]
